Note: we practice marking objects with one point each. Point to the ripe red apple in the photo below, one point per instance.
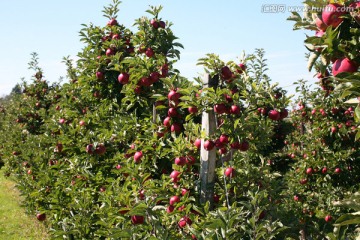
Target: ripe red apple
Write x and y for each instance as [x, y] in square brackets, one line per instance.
[154, 23]
[209, 145]
[344, 65]
[337, 170]
[244, 146]
[90, 149]
[235, 145]
[192, 110]
[333, 129]
[149, 52]
[41, 217]
[303, 181]
[170, 209]
[226, 73]
[100, 149]
[242, 67]
[328, 218]
[112, 22]
[181, 161]
[274, 115]
[296, 198]
[137, 219]
[100, 75]
[82, 123]
[167, 122]
[173, 95]
[220, 108]
[176, 128]
[172, 112]
[284, 113]
[174, 199]
[61, 120]
[309, 171]
[332, 13]
[162, 24]
[123, 78]
[137, 156]
[184, 191]
[184, 221]
[223, 151]
[230, 172]
[197, 143]
[154, 76]
[174, 175]
[235, 109]
[109, 52]
[224, 139]
[190, 160]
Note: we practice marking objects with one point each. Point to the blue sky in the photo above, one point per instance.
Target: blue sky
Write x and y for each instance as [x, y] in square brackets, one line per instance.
[227, 28]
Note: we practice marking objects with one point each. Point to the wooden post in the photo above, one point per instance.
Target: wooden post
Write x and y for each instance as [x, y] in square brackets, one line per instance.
[208, 158]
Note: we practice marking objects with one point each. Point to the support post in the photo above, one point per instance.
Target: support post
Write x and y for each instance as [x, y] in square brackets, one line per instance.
[208, 158]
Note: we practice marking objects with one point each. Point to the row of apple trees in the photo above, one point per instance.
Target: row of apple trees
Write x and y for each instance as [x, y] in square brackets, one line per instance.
[115, 151]
[334, 54]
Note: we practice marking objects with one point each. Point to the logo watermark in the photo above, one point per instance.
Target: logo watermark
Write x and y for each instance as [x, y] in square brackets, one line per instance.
[282, 8]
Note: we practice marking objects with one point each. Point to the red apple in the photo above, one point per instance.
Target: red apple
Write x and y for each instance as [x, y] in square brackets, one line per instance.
[333, 129]
[181, 161]
[332, 13]
[100, 149]
[234, 109]
[229, 172]
[244, 146]
[172, 112]
[274, 115]
[193, 110]
[284, 113]
[90, 149]
[173, 95]
[242, 67]
[162, 24]
[109, 52]
[344, 65]
[154, 76]
[154, 23]
[174, 175]
[173, 200]
[220, 108]
[224, 139]
[112, 22]
[176, 127]
[328, 218]
[100, 75]
[61, 120]
[184, 221]
[309, 171]
[41, 217]
[226, 73]
[170, 209]
[123, 78]
[167, 122]
[296, 198]
[149, 52]
[137, 156]
[337, 170]
[209, 145]
[197, 143]
[82, 123]
[137, 219]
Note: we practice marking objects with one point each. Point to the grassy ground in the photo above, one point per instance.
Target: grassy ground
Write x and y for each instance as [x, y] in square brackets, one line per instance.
[14, 223]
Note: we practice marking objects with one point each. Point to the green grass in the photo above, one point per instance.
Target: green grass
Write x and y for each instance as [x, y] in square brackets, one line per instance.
[15, 224]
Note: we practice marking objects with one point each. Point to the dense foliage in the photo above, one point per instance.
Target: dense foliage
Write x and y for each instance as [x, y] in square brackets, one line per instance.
[115, 151]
